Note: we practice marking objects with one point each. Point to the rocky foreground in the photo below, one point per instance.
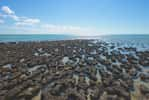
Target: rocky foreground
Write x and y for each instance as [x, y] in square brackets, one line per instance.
[72, 70]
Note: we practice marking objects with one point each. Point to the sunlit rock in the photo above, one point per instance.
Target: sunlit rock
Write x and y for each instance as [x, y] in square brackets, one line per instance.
[7, 66]
[87, 80]
[98, 76]
[76, 77]
[65, 60]
[136, 94]
[34, 68]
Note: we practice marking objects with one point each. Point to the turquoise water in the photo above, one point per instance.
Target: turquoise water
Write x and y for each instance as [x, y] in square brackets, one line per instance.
[50, 37]
[33, 37]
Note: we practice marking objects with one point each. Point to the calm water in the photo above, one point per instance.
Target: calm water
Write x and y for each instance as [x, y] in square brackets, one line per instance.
[33, 37]
[141, 42]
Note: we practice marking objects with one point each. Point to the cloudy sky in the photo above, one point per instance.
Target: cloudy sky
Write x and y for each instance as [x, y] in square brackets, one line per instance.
[78, 17]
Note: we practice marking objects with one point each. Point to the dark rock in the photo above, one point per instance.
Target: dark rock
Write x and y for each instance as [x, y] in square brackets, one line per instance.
[144, 77]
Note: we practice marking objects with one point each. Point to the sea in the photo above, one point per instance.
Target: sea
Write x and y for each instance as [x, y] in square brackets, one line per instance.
[33, 37]
[139, 41]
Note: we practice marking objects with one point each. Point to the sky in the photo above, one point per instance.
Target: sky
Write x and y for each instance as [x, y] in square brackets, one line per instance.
[77, 17]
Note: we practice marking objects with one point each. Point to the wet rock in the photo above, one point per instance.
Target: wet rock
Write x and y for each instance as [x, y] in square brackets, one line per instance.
[144, 77]
[46, 95]
[93, 94]
[132, 71]
[106, 82]
[124, 61]
[37, 97]
[93, 77]
[122, 92]
[73, 94]
[112, 97]
[110, 90]
[12, 93]
[58, 89]
[3, 92]
[29, 92]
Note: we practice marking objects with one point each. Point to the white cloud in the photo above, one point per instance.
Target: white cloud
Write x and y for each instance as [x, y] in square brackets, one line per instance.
[32, 21]
[14, 17]
[7, 10]
[60, 27]
[34, 25]
[19, 21]
[51, 28]
[1, 21]
[27, 22]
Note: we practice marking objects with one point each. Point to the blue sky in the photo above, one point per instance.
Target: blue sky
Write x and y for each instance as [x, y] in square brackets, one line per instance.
[79, 17]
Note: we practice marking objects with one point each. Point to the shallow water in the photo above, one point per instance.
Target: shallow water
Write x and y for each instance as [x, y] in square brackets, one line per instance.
[140, 42]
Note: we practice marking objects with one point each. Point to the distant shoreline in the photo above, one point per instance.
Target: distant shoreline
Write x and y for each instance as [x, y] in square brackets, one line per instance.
[53, 37]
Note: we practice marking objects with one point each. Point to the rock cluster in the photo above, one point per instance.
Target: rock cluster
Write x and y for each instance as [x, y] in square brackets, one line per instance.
[72, 70]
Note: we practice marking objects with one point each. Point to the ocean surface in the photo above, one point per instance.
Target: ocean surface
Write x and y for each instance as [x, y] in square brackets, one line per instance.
[33, 37]
[141, 42]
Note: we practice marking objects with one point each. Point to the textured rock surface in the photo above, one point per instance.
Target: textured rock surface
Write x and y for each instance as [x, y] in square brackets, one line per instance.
[72, 70]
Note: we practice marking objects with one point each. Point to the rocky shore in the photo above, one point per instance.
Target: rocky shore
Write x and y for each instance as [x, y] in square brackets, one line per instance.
[72, 70]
